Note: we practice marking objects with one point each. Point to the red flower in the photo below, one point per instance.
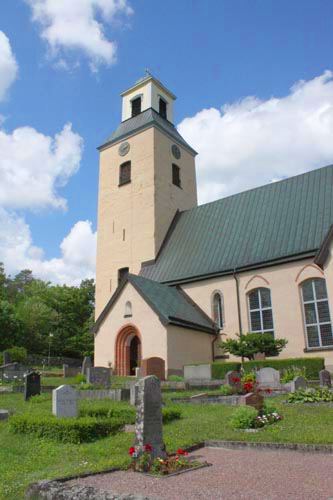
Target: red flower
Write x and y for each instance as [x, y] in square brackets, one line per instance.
[248, 386]
[235, 380]
[131, 450]
[180, 451]
[268, 390]
[148, 448]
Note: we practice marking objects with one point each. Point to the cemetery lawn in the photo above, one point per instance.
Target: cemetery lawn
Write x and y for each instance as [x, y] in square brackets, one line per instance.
[25, 459]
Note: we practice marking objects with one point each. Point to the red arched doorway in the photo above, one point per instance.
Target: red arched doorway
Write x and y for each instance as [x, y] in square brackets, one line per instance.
[128, 350]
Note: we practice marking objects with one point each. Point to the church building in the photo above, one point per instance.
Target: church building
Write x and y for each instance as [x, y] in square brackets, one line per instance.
[174, 278]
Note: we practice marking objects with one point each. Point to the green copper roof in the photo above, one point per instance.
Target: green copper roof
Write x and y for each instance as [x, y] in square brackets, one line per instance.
[142, 121]
[170, 303]
[282, 220]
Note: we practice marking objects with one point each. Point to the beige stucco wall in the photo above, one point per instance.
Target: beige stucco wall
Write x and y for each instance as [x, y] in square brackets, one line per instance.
[153, 333]
[187, 346]
[283, 281]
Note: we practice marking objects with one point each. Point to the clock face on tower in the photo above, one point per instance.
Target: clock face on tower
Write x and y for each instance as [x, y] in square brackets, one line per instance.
[175, 151]
[124, 148]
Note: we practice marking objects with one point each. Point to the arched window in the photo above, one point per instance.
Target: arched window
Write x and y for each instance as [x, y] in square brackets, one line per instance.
[317, 316]
[217, 307]
[128, 309]
[260, 311]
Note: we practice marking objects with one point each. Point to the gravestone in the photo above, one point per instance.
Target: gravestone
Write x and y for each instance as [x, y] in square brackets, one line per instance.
[71, 371]
[153, 366]
[4, 414]
[85, 365]
[6, 357]
[138, 372]
[233, 379]
[269, 378]
[325, 378]
[64, 402]
[99, 375]
[12, 372]
[31, 385]
[148, 425]
[298, 383]
[252, 399]
[134, 394]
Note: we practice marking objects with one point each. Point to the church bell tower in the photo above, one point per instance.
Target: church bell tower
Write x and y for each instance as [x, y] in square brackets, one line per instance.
[147, 174]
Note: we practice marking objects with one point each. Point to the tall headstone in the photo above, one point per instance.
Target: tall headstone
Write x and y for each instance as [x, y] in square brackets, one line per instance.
[31, 385]
[233, 379]
[86, 364]
[6, 358]
[325, 378]
[269, 378]
[99, 375]
[148, 425]
[64, 402]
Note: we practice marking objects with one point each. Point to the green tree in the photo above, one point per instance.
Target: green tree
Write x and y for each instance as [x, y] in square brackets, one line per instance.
[246, 346]
[11, 333]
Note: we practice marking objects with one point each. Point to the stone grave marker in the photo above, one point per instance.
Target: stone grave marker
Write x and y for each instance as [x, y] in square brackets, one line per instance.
[31, 385]
[269, 378]
[4, 414]
[134, 394]
[252, 399]
[70, 371]
[64, 402]
[233, 379]
[148, 425]
[6, 358]
[13, 371]
[99, 375]
[325, 378]
[85, 365]
[298, 383]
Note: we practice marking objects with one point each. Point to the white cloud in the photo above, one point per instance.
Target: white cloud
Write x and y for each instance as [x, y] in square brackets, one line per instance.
[33, 166]
[253, 142]
[79, 25]
[8, 66]
[17, 251]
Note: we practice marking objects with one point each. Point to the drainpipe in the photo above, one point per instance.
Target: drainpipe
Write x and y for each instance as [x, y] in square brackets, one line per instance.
[238, 303]
[213, 343]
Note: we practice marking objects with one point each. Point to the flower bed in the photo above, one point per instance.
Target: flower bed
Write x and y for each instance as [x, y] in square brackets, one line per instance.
[144, 461]
[248, 417]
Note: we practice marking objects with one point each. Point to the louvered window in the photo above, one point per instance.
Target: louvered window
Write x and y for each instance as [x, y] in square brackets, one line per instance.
[136, 106]
[260, 311]
[122, 274]
[176, 175]
[125, 173]
[163, 108]
[316, 313]
[218, 315]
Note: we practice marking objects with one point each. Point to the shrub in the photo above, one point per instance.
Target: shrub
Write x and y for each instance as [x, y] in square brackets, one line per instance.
[170, 414]
[85, 387]
[269, 407]
[312, 365]
[290, 373]
[176, 378]
[125, 414]
[18, 354]
[220, 369]
[80, 379]
[66, 430]
[227, 390]
[244, 417]
[310, 396]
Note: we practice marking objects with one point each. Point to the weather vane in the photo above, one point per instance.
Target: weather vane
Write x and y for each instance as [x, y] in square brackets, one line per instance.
[148, 72]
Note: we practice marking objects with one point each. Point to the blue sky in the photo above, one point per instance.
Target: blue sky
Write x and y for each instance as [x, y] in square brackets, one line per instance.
[209, 54]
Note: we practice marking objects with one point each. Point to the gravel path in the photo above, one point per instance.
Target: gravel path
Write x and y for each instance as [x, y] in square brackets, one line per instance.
[235, 474]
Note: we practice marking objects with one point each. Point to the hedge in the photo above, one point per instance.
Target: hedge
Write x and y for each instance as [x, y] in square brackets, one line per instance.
[66, 430]
[220, 369]
[126, 415]
[311, 365]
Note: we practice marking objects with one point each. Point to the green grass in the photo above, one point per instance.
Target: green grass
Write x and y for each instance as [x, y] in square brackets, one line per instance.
[25, 459]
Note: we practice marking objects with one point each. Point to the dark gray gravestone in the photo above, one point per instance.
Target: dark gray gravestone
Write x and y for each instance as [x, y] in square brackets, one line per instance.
[71, 371]
[85, 365]
[325, 378]
[31, 385]
[99, 375]
[12, 372]
[4, 414]
[6, 358]
[298, 383]
[148, 425]
[233, 379]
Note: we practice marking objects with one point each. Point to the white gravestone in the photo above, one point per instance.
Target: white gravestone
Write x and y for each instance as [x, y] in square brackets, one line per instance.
[269, 378]
[64, 402]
